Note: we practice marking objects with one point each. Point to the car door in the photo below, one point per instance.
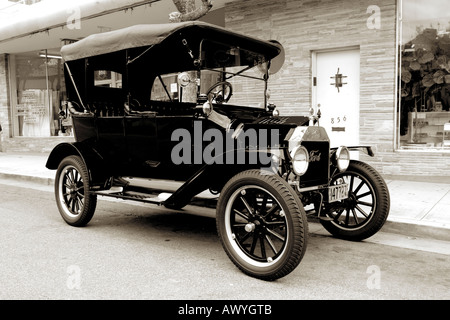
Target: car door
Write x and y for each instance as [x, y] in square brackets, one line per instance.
[141, 139]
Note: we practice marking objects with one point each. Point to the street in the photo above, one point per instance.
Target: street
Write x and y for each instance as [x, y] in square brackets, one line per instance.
[134, 251]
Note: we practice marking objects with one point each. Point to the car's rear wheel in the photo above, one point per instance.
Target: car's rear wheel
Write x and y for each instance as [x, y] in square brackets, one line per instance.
[75, 203]
[262, 225]
[367, 207]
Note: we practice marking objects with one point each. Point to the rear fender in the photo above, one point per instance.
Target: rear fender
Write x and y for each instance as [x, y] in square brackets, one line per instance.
[97, 168]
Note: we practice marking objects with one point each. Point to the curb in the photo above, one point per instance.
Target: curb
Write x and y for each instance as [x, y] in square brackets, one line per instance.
[27, 178]
[408, 229]
[417, 230]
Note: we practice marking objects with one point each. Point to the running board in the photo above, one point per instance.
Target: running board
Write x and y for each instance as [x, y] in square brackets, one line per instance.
[152, 196]
[118, 192]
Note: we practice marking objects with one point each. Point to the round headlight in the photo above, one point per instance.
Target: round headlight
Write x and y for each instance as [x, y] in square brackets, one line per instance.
[275, 113]
[207, 108]
[342, 158]
[300, 160]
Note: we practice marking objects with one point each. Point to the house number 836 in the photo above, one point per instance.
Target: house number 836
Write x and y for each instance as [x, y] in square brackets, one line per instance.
[338, 120]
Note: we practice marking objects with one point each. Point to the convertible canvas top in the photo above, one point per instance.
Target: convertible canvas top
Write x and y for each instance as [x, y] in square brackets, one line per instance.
[151, 34]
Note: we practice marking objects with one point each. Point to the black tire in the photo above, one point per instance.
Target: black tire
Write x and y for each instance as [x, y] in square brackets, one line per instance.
[75, 203]
[367, 208]
[262, 225]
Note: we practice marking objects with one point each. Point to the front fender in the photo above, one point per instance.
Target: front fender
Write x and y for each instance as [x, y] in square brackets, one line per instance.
[216, 174]
[366, 149]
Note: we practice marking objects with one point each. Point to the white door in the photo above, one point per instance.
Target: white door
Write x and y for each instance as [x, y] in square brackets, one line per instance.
[336, 94]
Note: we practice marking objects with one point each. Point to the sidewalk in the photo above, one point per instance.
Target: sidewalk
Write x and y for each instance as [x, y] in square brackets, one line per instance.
[418, 209]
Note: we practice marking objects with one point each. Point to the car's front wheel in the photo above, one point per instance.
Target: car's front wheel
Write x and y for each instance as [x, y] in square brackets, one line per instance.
[365, 210]
[262, 225]
[75, 203]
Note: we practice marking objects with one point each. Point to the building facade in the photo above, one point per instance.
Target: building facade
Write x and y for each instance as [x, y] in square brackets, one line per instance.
[377, 35]
[378, 71]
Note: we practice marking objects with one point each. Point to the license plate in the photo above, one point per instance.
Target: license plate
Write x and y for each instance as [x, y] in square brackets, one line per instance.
[338, 193]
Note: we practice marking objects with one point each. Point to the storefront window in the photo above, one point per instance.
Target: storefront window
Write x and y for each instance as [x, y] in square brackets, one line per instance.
[39, 103]
[424, 97]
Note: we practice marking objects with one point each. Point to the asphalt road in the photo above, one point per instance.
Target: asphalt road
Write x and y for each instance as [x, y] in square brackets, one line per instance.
[133, 251]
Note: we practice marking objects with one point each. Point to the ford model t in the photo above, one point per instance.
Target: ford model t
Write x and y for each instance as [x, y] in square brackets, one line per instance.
[187, 103]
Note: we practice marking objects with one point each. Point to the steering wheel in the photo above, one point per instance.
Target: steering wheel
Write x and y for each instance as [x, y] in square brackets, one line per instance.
[222, 94]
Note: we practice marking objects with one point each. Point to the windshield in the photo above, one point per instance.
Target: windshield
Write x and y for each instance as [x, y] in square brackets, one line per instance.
[227, 74]
[247, 84]
[241, 86]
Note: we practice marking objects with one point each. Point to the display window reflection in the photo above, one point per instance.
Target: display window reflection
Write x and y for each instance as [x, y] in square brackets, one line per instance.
[424, 84]
[39, 95]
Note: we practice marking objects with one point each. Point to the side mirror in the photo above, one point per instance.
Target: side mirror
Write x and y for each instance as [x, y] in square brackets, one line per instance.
[274, 65]
[277, 62]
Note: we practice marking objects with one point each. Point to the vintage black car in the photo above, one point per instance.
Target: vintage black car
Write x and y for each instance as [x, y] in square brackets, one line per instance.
[187, 103]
